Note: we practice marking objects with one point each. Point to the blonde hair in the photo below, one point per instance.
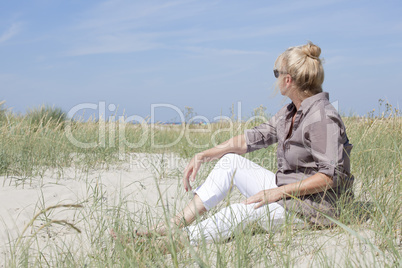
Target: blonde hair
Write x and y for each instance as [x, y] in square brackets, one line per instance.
[303, 64]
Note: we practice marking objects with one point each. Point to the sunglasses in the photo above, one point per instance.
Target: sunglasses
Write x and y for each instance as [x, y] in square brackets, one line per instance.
[277, 73]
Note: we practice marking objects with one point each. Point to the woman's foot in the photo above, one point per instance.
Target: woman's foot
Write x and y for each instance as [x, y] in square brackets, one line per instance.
[194, 209]
[124, 239]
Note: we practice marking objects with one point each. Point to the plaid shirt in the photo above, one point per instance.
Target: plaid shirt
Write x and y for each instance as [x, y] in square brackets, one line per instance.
[318, 143]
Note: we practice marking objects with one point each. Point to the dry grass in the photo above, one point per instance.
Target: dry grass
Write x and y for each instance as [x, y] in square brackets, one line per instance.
[368, 233]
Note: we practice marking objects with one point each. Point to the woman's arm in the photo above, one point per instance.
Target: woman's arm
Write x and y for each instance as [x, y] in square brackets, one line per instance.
[319, 182]
[235, 145]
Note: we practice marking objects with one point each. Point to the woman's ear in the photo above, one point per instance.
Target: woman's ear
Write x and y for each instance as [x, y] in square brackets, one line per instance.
[288, 80]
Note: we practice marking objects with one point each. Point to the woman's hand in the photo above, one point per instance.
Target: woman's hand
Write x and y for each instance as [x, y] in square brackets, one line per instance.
[234, 145]
[316, 183]
[191, 171]
[264, 197]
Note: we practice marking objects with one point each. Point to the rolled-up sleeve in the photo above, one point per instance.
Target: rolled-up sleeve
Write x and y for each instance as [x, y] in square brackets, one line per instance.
[261, 136]
[325, 136]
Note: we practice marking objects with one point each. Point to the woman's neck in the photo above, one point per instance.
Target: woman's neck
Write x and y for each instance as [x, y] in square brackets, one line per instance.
[296, 98]
[297, 103]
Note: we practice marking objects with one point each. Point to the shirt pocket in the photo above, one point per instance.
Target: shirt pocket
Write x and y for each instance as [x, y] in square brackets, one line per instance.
[297, 155]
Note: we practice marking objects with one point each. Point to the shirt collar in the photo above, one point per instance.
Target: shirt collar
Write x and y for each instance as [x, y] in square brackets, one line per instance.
[307, 103]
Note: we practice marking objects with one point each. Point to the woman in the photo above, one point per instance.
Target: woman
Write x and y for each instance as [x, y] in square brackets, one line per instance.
[313, 160]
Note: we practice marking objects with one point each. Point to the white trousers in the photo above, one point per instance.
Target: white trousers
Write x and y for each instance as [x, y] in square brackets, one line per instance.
[250, 178]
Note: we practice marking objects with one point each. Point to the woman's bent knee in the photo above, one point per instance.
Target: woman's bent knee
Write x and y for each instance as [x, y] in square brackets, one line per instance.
[229, 161]
[229, 156]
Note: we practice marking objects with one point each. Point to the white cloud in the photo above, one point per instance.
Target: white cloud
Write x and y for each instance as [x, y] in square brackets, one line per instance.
[118, 43]
[122, 14]
[208, 35]
[286, 7]
[123, 26]
[224, 52]
[14, 29]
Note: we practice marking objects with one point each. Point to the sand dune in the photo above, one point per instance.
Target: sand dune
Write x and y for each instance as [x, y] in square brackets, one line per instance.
[146, 186]
[133, 183]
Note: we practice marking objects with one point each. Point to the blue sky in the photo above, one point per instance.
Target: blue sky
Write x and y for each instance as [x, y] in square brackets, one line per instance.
[203, 54]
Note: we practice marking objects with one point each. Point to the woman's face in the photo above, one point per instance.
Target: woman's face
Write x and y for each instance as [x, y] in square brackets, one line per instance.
[282, 83]
[282, 78]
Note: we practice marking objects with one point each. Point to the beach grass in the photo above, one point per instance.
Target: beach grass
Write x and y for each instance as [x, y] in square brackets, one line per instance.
[368, 232]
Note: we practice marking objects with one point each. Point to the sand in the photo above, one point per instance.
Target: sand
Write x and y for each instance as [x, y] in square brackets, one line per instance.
[138, 184]
[135, 181]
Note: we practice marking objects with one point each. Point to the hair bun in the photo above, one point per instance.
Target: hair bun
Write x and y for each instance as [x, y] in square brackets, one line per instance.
[311, 50]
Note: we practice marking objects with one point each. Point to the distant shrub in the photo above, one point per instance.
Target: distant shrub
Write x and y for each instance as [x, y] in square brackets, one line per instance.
[3, 111]
[46, 116]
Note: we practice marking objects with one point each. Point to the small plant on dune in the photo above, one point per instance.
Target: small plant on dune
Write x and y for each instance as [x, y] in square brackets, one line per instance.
[3, 112]
[188, 114]
[4, 161]
[259, 115]
[46, 116]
